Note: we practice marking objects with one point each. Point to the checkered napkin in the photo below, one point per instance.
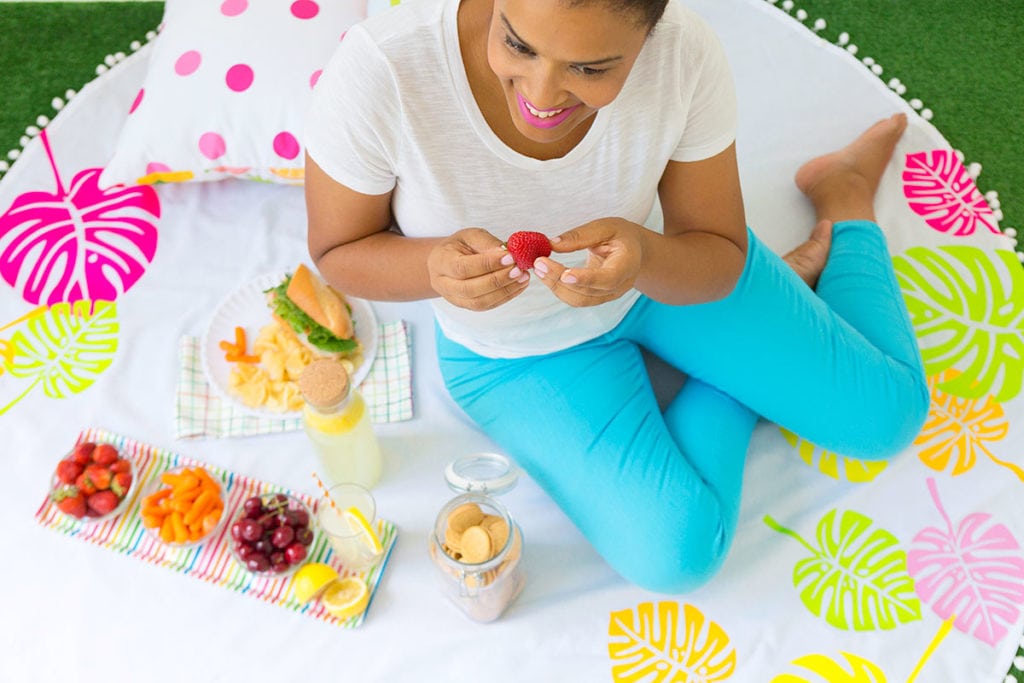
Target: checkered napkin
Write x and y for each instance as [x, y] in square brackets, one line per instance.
[200, 412]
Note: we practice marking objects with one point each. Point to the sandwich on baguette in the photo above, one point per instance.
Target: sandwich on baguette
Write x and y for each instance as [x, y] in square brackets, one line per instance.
[317, 314]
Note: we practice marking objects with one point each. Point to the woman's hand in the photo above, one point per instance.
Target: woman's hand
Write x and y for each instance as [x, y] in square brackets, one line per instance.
[472, 270]
[615, 248]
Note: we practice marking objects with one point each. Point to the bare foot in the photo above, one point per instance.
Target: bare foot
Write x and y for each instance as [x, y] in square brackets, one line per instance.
[808, 259]
[842, 184]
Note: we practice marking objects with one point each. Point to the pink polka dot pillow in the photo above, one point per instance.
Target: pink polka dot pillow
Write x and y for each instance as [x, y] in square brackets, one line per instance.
[226, 90]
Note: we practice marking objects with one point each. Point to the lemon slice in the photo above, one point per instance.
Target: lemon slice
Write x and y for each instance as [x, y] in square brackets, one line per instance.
[311, 579]
[346, 597]
[361, 526]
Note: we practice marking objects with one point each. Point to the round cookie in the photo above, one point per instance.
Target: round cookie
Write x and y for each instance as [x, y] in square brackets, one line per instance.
[476, 545]
[464, 516]
[497, 528]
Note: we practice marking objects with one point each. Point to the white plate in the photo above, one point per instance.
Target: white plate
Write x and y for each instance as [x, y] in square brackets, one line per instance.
[247, 307]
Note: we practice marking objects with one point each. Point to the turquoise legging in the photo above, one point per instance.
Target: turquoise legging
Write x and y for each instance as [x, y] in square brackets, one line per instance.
[658, 495]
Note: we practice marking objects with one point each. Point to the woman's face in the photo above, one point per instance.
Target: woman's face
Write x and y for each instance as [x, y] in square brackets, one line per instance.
[558, 65]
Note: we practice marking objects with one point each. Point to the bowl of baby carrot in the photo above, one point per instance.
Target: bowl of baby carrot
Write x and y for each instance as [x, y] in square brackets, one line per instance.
[183, 506]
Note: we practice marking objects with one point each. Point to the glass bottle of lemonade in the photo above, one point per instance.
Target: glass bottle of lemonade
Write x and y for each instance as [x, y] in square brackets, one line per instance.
[337, 421]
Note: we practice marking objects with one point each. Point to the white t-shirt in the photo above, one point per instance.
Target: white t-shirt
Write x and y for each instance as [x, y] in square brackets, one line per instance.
[393, 110]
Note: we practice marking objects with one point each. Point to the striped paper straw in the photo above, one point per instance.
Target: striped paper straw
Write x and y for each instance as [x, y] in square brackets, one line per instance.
[327, 495]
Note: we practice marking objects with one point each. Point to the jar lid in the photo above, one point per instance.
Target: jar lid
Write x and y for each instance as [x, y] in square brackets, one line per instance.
[324, 383]
[481, 472]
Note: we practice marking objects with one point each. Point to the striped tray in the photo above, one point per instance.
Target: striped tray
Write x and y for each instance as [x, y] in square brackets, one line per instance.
[211, 560]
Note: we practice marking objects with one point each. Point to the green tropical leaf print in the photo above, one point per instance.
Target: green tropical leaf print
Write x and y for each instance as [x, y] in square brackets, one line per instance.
[655, 644]
[967, 308]
[63, 348]
[832, 464]
[856, 578]
[827, 670]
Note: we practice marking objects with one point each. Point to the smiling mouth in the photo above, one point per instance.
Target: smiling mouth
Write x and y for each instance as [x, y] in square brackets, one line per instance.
[543, 118]
[542, 114]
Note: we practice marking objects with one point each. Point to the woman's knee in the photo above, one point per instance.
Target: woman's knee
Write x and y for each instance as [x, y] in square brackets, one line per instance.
[672, 567]
[894, 428]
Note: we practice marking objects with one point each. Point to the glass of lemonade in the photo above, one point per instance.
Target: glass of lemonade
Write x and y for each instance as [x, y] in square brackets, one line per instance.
[348, 540]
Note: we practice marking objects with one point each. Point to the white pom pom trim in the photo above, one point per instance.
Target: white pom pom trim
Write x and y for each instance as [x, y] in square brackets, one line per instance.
[58, 103]
[897, 86]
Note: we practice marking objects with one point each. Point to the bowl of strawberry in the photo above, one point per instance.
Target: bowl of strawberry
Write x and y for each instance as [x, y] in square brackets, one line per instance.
[271, 534]
[92, 482]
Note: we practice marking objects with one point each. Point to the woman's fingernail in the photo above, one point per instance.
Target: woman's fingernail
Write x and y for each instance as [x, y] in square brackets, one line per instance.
[568, 278]
[524, 278]
[507, 260]
[514, 274]
[556, 238]
[541, 268]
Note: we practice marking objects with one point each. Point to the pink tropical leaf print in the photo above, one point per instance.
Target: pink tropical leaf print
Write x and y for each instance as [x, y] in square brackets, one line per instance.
[974, 571]
[939, 189]
[82, 243]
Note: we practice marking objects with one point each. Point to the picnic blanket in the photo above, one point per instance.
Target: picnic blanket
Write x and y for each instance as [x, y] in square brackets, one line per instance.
[840, 570]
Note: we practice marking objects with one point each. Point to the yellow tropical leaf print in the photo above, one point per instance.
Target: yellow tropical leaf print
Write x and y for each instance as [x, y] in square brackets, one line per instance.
[958, 428]
[832, 464]
[655, 644]
[826, 670]
[860, 670]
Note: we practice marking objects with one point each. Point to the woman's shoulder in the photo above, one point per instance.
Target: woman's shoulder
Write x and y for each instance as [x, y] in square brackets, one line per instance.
[681, 24]
[384, 44]
[408, 20]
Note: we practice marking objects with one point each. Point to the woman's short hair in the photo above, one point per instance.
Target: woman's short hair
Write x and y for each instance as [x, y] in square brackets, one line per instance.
[644, 13]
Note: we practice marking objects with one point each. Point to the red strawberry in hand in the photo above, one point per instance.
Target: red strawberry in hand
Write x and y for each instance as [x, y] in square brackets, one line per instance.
[102, 502]
[527, 246]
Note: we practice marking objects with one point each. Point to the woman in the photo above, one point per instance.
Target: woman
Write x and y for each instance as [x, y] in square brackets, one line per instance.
[443, 126]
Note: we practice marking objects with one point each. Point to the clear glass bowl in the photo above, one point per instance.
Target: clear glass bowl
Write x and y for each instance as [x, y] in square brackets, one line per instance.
[278, 503]
[56, 485]
[156, 484]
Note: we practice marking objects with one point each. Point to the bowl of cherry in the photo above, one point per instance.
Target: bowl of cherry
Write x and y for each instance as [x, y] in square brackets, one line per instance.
[271, 534]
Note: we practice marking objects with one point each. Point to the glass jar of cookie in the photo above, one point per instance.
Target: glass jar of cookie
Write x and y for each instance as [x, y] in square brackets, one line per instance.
[476, 545]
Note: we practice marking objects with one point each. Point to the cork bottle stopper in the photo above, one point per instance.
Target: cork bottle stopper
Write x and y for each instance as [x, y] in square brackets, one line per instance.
[324, 383]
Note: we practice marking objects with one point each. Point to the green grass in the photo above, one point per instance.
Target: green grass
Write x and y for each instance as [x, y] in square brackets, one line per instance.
[964, 59]
[47, 48]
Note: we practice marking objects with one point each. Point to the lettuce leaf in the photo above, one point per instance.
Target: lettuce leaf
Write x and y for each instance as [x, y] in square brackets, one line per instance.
[317, 335]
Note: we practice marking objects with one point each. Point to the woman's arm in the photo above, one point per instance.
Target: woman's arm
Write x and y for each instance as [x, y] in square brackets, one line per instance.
[704, 247]
[699, 257]
[350, 241]
[353, 247]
